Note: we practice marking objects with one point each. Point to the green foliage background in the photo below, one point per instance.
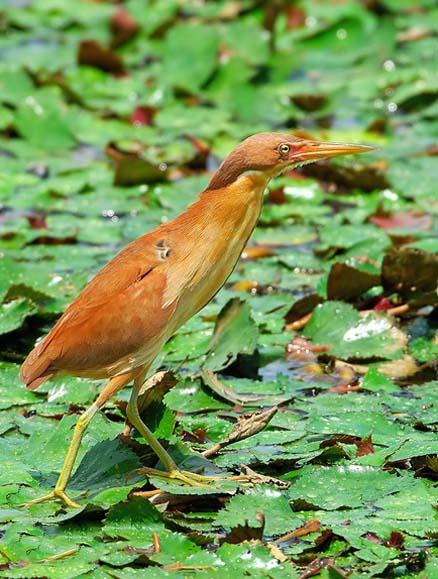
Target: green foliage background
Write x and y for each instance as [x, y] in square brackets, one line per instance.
[112, 117]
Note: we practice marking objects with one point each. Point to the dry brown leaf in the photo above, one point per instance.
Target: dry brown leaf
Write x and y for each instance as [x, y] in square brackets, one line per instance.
[247, 532]
[246, 426]
[397, 369]
[155, 388]
[211, 380]
[92, 53]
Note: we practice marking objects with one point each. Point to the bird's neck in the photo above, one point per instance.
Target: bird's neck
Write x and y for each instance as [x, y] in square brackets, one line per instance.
[213, 233]
[239, 196]
[233, 211]
[229, 215]
[221, 211]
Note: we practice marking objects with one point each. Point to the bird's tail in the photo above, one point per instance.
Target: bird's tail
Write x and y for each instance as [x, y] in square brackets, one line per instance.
[36, 368]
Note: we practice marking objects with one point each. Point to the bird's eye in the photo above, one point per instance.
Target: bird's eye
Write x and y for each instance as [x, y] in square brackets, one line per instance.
[284, 149]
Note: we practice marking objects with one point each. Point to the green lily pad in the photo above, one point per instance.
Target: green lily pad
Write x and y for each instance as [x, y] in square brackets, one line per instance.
[348, 335]
[344, 486]
[42, 121]
[134, 520]
[13, 314]
[189, 55]
[235, 332]
[271, 503]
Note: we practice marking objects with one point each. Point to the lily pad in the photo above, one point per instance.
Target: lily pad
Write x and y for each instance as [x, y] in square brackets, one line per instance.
[13, 314]
[340, 327]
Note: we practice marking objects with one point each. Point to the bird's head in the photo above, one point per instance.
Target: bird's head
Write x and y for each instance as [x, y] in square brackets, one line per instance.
[270, 154]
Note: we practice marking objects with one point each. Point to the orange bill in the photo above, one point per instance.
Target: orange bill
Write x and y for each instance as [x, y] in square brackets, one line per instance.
[314, 150]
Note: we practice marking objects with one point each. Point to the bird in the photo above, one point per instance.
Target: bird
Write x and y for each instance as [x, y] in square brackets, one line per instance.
[119, 322]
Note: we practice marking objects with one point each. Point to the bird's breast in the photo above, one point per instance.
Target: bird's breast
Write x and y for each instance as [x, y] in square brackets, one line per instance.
[211, 250]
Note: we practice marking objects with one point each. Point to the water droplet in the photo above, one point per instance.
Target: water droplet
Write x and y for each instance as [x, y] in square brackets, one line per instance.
[388, 194]
[55, 279]
[156, 97]
[392, 107]
[389, 65]
[341, 34]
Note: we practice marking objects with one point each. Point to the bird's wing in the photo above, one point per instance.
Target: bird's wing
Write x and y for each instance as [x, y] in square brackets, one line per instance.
[115, 315]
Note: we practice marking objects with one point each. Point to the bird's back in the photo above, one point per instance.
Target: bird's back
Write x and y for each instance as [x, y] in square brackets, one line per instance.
[113, 315]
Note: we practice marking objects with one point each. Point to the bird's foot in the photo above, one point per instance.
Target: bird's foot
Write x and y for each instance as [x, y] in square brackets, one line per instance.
[56, 494]
[251, 477]
[185, 477]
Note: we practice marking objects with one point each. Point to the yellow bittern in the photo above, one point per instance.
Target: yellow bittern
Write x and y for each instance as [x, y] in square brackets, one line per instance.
[117, 325]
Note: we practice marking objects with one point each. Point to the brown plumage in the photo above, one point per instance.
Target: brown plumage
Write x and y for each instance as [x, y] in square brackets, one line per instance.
[119, 322]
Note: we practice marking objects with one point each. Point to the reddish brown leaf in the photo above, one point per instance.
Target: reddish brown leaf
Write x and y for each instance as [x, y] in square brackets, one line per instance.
[407, 220]
[295, 17]
[277, 196]
[309, 102]
[54, 240]
[37, 221]
[200, 435]
[142, 116]
[92, 53]
[323, 538]
[311, 526]
[395, 540]
[123, 27]
[201, 147]
[201, 153]
[365, 446]
[302, 307]
[373, 538]
[383, 305]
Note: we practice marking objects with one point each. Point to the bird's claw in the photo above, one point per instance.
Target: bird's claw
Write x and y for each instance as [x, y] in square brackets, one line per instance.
[56, 494]
[185, 477]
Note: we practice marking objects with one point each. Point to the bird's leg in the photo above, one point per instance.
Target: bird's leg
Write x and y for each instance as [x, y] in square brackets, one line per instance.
[84, 420]
[171, 471]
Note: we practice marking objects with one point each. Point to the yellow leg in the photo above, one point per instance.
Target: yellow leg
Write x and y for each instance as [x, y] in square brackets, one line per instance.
[84, 420]
[171, 471]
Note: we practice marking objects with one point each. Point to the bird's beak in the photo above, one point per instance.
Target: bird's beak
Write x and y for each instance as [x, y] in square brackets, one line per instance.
[314, 150]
